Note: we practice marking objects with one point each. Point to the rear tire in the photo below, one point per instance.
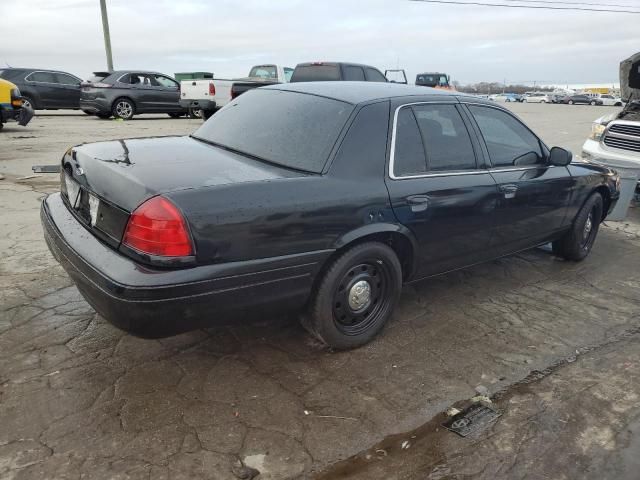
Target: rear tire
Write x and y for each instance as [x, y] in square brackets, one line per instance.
[195, 112]
[207, 114]
[123, 108]
[577, 242]
[570, 102]
[593, 103]
[356, 296]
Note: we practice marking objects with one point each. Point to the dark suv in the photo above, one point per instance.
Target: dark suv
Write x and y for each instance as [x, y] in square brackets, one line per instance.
[124, 93]
[45, 89]
[336, 71]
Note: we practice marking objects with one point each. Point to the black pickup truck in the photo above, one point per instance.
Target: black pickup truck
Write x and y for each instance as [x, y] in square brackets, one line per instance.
[319, 72]
[336, 71]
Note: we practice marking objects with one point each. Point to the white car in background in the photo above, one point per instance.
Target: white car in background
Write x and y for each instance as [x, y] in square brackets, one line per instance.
[611, 101]
[537, 97]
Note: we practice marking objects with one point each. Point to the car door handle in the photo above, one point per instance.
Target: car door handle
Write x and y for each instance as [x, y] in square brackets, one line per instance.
[509, 190]
[418, 203]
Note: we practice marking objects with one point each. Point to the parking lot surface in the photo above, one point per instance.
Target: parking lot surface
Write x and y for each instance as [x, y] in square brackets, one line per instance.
[78, 398]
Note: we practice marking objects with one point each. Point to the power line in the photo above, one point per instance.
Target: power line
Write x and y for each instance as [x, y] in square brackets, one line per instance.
[573, 3]
[537, 7]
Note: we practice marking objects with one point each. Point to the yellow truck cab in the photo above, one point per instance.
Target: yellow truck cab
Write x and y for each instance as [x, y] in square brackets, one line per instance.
[11, 105]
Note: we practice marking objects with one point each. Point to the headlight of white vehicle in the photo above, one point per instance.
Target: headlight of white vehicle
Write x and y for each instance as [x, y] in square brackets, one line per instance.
[597, 130]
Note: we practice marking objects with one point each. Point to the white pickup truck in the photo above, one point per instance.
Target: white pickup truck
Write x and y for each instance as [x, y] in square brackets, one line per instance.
[205, 97]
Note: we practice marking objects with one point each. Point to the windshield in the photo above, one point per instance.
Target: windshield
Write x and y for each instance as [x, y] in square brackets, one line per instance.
[264, 71]
[291, 129]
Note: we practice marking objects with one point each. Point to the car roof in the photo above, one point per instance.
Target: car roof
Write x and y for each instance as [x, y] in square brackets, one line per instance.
[360, 92]
[123, 72]
[351, 64]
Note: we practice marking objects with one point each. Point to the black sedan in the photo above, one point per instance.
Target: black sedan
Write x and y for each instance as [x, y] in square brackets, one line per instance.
[581, 100]
[318, 197]
[123, 94]
[45, 89]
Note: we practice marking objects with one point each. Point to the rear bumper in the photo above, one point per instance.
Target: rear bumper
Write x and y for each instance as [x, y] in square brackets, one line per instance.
[153, 302]
[208, 105]
[97, 105]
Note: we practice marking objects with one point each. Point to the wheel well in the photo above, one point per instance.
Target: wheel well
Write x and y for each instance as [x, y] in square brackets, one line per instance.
[35, 102]
[400, 244]
[606, 199]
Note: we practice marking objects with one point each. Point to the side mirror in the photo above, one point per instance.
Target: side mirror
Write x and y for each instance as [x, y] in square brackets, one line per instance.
[560, 157]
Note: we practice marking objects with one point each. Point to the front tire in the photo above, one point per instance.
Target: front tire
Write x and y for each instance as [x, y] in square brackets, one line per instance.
[577, 242]
[356, 296]
[593, 103]
[570, 102]
[123, 108]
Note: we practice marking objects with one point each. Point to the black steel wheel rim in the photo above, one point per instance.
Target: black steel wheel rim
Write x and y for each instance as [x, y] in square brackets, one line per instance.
[589, 230]
[355, 311]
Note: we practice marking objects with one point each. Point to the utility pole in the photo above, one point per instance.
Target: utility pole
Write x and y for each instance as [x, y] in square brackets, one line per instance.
[107, 36]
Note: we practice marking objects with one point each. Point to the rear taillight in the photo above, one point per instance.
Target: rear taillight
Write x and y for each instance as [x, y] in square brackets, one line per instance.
[212, 89]
[158, 228]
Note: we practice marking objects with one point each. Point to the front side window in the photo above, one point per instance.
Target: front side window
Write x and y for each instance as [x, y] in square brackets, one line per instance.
[353, 74]
[445, 137]
[509, 142]
[291, 129]
[43, 77]
[166, 82]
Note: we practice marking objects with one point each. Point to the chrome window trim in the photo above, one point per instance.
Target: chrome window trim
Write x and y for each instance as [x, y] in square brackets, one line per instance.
[392, 155]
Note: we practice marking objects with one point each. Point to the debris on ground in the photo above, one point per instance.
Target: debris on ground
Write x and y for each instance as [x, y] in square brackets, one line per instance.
[243, 472]
[473, 419]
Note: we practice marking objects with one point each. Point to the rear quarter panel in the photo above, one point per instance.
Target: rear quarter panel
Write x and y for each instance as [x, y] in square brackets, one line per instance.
[301, 214]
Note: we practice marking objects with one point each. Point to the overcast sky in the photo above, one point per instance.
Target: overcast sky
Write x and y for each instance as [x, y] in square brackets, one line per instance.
[471, 43]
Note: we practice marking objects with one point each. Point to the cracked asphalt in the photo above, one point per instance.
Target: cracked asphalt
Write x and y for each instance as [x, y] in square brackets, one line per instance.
[81, 399]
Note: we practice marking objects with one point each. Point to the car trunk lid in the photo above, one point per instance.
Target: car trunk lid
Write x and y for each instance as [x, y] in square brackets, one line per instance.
[102, 183]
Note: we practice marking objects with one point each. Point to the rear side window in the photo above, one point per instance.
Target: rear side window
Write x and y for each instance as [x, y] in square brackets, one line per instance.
[65, 79]
[313, 73]
[353, 74]
[445, 138]
[509, 142]
[43, 77]
[374, 75]
[409, 156]
[287, 128]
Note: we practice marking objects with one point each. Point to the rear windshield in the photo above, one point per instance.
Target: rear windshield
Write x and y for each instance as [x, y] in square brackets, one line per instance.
[98, 77]
[291, 129]
[264, 71]
[314, 73]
